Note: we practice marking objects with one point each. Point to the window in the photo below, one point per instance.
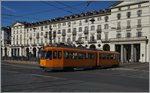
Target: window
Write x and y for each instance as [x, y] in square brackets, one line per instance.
[106, 36]
[80, 29]
[139, 13]
[118, 25]
[69, 30]
[59, 25]
[98, 26]
[86, 28]
[106, 26]
[43, 53]
[118, 35]
[139, 5]
[64, 23]
[92, 28]
[59, 54]
[139, 34]
[69, 24]
[74, 29]
[128, 14]
[41, 28]
[64, 32]
[106, 18]
[49, 55]
[92, 38]
[54, 54]
[68, 39]
[91, 55]
[98, 36]
[59, 32]
[45, 26]
[63, 38]
[99, 18]
[86, 20]
[139, 21]
[80, 22]
[128, 34]
[128, 24]
[118, 16]
[73, 38]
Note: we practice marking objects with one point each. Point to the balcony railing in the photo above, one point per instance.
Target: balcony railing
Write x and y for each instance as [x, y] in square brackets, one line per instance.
[74, 32]
[106, 40]
[92, 41]
[79, 42]
[99, 30]
[128, 27]
[139, 26]
[118, 28]
[144, 38]
[86, 32]
[63, 34]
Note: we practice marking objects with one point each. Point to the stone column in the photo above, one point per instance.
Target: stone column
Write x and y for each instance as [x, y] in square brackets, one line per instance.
[125, 54]
[3, 49]
[122, 59]
[135, 55]
[132, 53]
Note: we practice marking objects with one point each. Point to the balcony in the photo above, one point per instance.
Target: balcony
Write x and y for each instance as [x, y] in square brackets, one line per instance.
[139, 27]
[124, 39]
[30, 37]
[118, 28]
[92, 41]
[64, 34]
[86, 32]
[74, 32]
[105, 40]
[45, 36]
[37, 37]
[99, 30]
[79, 42]
[128, 27]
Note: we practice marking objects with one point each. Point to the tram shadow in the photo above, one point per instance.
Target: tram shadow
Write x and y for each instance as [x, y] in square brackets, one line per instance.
[80, 69]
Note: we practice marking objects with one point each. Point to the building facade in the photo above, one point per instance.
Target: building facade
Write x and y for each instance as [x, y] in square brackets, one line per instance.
[124, 28]
[5, 41]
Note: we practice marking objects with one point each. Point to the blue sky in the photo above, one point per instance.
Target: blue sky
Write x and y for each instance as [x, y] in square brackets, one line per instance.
[32, 11]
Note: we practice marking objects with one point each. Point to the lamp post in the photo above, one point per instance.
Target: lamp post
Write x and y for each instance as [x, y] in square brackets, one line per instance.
[50, 35]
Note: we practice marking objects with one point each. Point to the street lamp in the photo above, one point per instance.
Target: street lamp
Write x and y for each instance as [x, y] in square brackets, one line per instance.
[50, 35]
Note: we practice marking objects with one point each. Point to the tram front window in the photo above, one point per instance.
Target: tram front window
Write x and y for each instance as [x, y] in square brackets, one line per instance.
[49, 55]
[42, 54]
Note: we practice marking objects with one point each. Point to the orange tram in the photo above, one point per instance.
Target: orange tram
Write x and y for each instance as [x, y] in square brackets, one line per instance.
[65, 58]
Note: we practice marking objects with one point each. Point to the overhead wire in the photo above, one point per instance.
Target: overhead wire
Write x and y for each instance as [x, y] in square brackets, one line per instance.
[44, 2]
[68, 6]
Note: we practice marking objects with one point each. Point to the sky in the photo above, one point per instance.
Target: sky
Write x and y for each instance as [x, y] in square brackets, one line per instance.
[33, 11]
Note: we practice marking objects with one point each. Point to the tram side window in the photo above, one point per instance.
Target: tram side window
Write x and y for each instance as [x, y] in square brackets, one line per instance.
[54, 54]
[49, 55]
[104, 56]
[59, 54]
[75, 55]
[42, 54]
[81, 55]
[91, 55]
[70, 55]
[66, 55]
